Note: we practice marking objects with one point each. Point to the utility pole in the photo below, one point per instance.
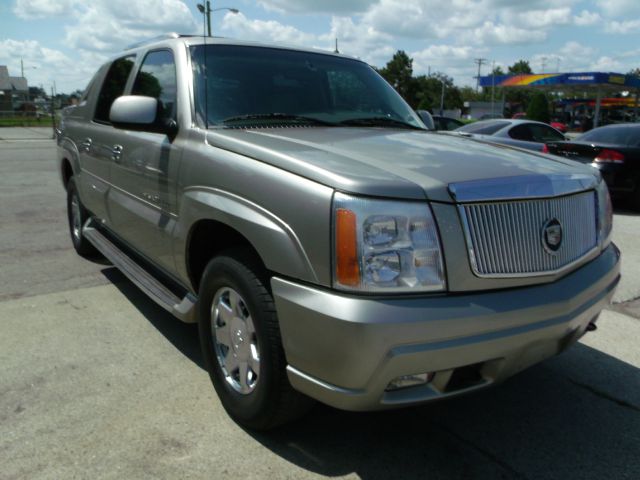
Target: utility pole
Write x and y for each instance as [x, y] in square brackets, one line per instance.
[336, 50]
[543, 61]
[558, 65]
[479, 62]
[493, 86]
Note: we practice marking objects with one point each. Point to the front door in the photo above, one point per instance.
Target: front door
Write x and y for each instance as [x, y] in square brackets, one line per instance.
[142, 202]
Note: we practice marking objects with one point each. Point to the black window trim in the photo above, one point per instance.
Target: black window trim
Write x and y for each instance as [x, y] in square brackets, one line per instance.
[138, 67]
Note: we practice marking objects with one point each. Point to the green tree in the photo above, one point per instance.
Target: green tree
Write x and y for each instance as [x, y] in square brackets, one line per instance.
[399, 73]
[538, 108]
[497, 71]
[520, 67]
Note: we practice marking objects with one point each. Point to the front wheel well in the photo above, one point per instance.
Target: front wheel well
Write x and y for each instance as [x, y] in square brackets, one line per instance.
[67, 171]
[207, 239]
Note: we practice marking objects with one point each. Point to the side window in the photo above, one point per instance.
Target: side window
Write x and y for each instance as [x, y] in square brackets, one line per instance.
[113, 86]
[521, 132]
[157, 79]
[543, 134]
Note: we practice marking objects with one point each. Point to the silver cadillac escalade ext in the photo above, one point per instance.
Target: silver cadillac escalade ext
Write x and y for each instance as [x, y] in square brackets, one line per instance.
[327, 244]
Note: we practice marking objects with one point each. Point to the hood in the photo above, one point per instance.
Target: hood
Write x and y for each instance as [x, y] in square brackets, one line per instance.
[387, 162]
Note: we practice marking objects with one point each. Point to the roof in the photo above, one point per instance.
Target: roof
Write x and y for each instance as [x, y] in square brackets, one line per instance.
[608, 80]
[12, 83]
[202, 40]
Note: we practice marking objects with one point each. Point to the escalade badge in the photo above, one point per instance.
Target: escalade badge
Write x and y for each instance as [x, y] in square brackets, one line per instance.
[552, 235]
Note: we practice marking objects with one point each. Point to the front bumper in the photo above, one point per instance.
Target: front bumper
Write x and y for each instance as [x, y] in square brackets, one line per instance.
[344, 350]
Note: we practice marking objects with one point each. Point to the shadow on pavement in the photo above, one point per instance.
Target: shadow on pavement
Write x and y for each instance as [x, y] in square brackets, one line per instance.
[574, 416]
[557, 420]
[183, 336]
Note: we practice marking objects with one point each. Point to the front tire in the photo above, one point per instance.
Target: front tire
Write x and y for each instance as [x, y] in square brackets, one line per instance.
[241, 345]
[77, 216]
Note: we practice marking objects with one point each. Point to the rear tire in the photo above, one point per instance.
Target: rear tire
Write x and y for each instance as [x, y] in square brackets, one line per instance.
[241, 345]
[77, 216]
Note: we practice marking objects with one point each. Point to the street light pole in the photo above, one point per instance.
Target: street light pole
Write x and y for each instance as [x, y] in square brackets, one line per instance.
[208, 18]
[442, 99]
[206, 11]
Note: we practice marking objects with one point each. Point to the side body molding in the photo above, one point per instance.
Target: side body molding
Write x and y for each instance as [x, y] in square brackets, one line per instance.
[276, 242]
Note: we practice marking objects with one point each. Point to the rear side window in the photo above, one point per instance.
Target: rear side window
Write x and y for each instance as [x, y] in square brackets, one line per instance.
[535, 132]
[521, 132]
[157, 79]
[484, 128]
[113, 86]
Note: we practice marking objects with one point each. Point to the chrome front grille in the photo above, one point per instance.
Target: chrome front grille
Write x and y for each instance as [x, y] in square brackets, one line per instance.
[506, 239]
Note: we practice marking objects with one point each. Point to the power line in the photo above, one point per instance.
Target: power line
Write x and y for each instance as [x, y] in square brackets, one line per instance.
[479, 62]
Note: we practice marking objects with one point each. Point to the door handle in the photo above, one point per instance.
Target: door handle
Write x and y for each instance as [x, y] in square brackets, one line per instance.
[86, 144]
[116, 153]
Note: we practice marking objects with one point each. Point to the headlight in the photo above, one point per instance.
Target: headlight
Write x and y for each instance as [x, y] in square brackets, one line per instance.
[385, 246]
[605, 215]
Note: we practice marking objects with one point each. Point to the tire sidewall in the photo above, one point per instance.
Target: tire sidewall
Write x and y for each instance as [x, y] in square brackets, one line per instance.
[224, 272]
[72, 191]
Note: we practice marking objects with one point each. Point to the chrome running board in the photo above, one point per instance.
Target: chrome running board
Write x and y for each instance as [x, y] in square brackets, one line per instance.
[183, 309]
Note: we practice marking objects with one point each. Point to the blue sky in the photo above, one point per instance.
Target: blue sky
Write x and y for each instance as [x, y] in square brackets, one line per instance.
[66, 40]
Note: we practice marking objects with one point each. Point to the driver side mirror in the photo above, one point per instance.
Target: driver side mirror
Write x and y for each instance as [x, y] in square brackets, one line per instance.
[427, 119]
[139, 113]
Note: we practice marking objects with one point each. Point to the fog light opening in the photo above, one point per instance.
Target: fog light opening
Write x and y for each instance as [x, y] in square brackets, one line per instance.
[406, 381]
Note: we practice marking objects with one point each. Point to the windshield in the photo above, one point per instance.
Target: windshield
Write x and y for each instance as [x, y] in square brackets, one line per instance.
[248, 86]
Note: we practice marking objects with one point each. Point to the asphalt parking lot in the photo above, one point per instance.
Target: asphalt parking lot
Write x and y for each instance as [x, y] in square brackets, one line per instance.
[96, 381]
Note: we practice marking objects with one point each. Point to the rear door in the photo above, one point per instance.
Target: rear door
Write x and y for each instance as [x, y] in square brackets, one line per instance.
[142, 203]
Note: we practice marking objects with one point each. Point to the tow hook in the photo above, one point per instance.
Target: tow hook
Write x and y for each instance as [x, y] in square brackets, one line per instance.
[592, 327]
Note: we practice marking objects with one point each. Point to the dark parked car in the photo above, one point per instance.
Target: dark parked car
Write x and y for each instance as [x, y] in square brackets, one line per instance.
[527, 134]
[439, 122]
[446, 123]
[615, 151]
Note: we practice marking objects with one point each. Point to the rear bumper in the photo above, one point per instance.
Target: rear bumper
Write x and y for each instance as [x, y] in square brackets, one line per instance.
[620, 180]
[344, 350]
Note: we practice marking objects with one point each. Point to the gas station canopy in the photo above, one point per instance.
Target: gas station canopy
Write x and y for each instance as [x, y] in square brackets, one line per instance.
[598, 82]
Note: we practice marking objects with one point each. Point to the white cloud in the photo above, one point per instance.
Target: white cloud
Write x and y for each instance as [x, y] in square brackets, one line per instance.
[623, 27]
[28, 9]
[606, 64]
[240, 26]
[586, 18]
[360, 40]
[499, 34]
[619, 8]
[316, 6]
[110, 25]
[538, 18]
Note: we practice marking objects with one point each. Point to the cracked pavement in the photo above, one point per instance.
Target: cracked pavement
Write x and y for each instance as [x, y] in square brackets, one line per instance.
[99, 382]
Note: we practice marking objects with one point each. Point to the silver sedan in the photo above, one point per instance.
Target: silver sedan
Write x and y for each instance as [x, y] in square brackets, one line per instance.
[527, 134]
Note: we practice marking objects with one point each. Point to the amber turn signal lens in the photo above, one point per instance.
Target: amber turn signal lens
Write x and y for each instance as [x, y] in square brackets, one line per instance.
[347, 268]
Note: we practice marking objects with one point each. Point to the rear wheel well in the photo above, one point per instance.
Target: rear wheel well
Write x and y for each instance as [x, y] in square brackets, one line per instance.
[207, 239]
[67, 171]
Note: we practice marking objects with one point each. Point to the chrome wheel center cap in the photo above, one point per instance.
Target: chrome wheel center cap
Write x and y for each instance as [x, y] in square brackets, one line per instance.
[238, 338]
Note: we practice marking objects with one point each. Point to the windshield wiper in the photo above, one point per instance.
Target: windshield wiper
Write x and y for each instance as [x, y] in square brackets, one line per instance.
[379, 122]
[276, 116]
